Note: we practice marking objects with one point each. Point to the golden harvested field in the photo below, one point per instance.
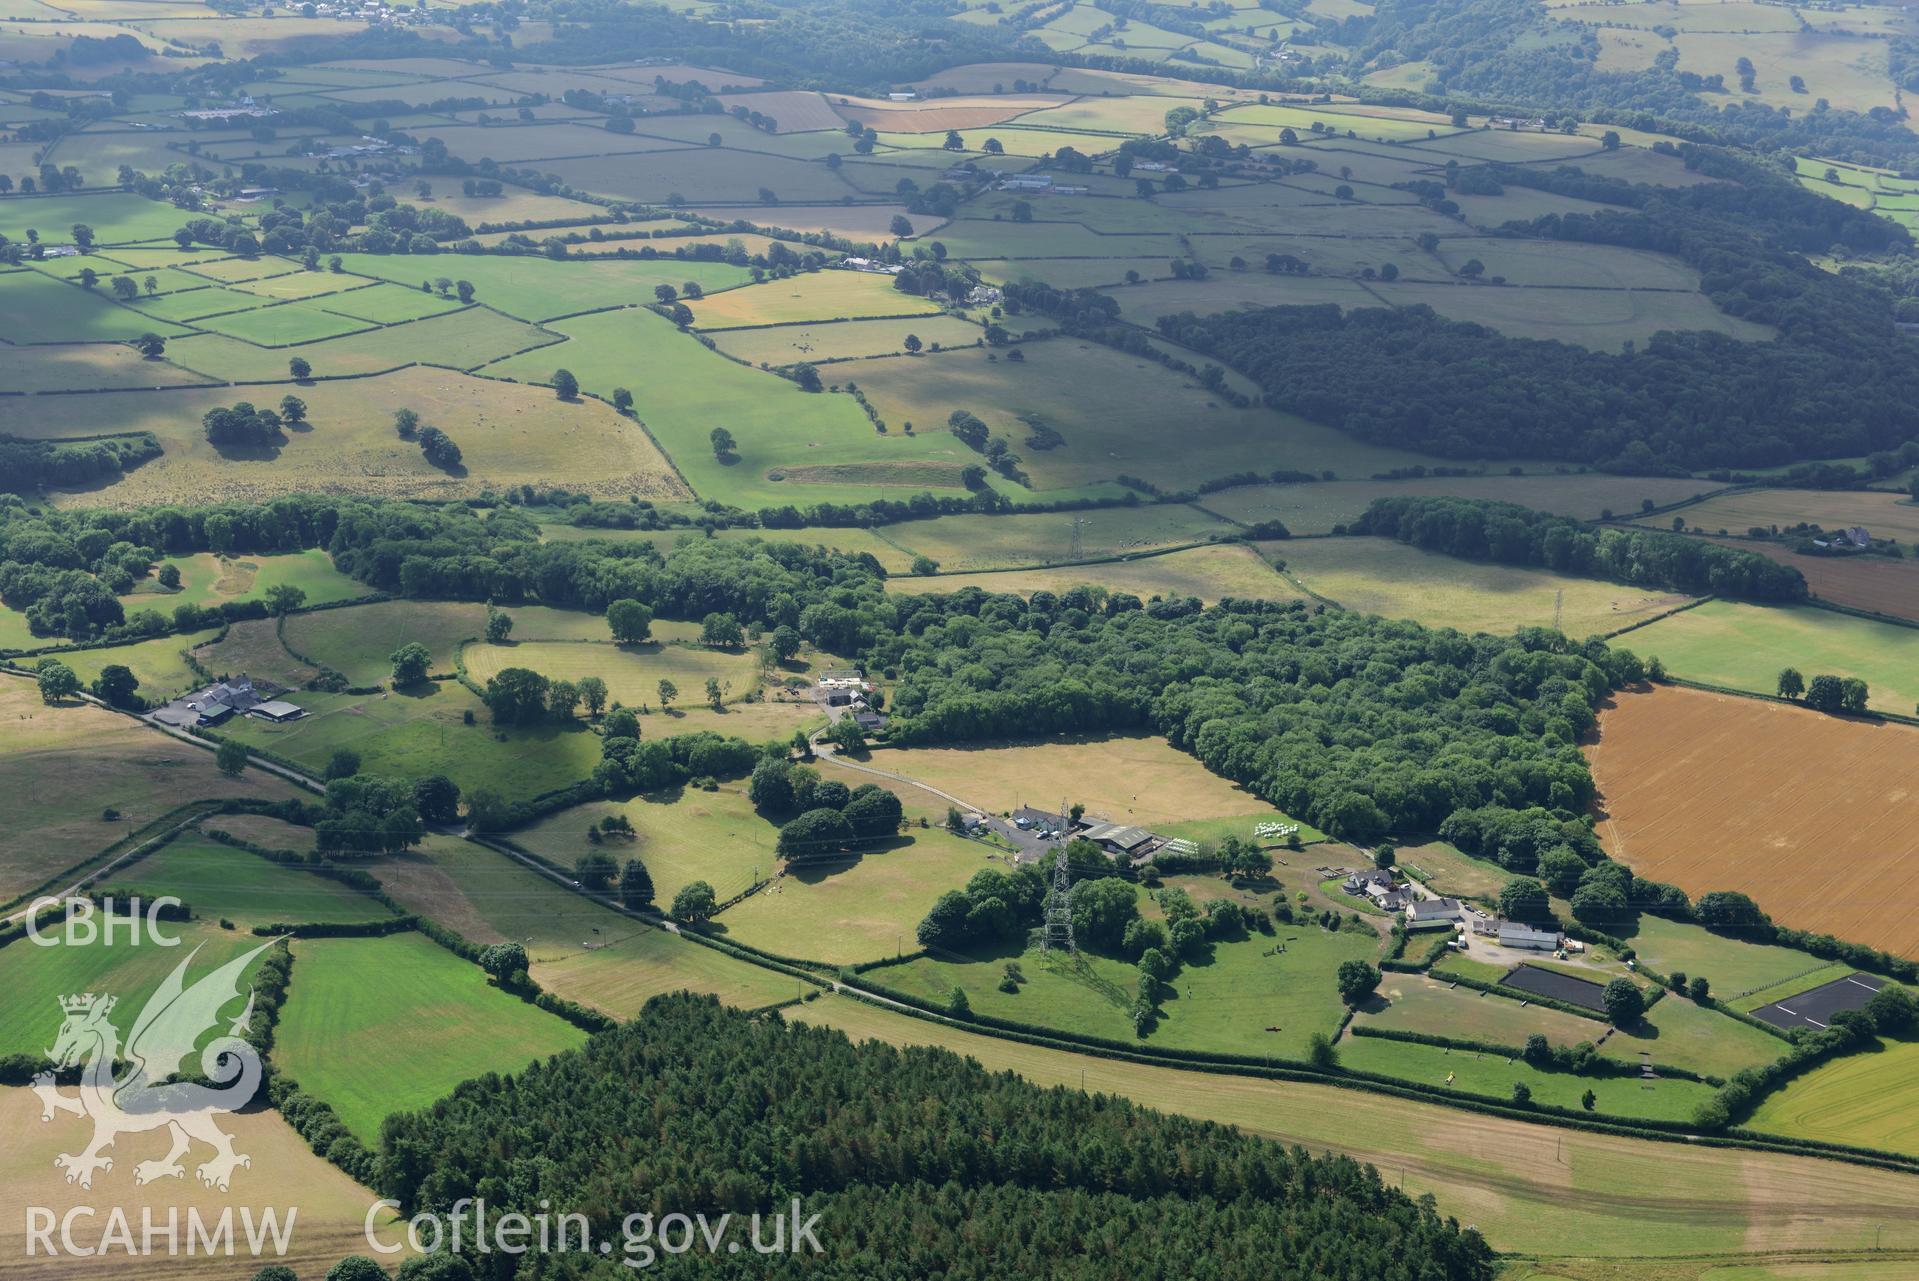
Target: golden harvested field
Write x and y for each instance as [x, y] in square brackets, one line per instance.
[1807, 813]
[509, 434]
[1141, 780]
[1206, 572]
[819, 295]
[285, 1173]
[62, 767]
[1527, 1188]
[1381, 576]
[1878, 584]
[1886, 515]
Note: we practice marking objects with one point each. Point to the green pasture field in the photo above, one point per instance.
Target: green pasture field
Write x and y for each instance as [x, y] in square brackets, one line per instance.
[1745, 647]
[682, 391]
[1014, 139]
[1068, 273]
[514, 204]
[1302, 119]
[1222, 1002]
[233, 271]
[539, 143]
[580, 949]
[864, 223]
[1870, 1099]
[1851, 72]
[1418, 1003]
[784, 345]
[1493, 1076]
[1136, 114]
[86, 367]
[1526, 262]
[1693, 1036]
[35, 308]
[1101, 215]
[359, 641]
[1380, 576]
[632, 672]
[1139, 779]
[510, 435]
[389, 304]
[1509, 146]
[301, 284]
[1524, 204]
[1603, 320]
[810, 296]
[158, 256]
[422, 731]
[540, 289]
[462, 339]
[1886, 515]
[693, 835]
[1734, 967]
[62, 768]
[1145, 303]
[160, 663]
[1315, 508]
[116, 217]
[984, 238]
[855, 909]
[207, 579]
[702, 175]
[194, 304]
[219, 882]
[284, 324]
[1115, 412]
[34, 979]
[1005, 542]
[1203, 830]
[1209, 573]
[252, 648]
[1445, 870]
[453, 1024]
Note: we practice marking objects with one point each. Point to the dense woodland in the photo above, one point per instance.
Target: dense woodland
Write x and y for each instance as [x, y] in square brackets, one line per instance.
[1480, 529]
[904, 1155]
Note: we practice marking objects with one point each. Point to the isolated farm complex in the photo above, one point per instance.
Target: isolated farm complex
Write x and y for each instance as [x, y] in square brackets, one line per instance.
[1238, 639]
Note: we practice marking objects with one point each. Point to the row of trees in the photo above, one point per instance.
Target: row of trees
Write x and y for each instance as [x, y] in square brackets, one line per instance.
[1481, 529]
[1826, 693]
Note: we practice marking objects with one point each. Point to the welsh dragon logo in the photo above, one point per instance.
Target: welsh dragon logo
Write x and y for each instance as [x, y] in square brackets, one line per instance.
[145, 1097]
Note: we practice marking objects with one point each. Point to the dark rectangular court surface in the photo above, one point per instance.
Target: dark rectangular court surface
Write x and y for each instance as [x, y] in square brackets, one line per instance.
[1815, 1008]
[1560, 987]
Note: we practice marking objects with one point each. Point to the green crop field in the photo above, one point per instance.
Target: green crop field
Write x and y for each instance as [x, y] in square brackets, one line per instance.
[1745, 646]
[33, 979]
[811, 296]
[858, 909]
[222, 883]
[1379, 576]
[579, 949]
[1206, 572]
[423, 731]
[453, 1024]
[1870, 1099]
[632, 672]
